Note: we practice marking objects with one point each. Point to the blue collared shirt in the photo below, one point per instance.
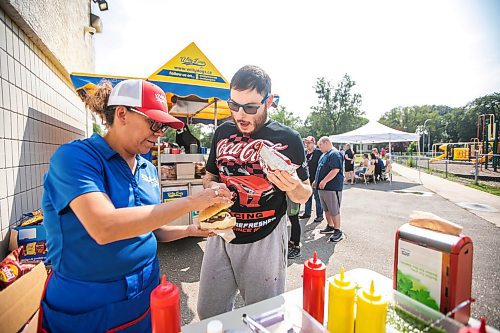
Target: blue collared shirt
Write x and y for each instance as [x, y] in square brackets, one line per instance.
[85, 166]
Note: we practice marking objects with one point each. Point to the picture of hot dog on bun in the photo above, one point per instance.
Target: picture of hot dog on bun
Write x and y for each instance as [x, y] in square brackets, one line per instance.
[217, 217]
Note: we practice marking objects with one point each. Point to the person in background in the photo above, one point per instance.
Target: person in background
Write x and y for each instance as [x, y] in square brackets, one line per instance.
[261, 230]
[312, 156]
[365, 163]
[99, 214]
[295, 230]
[349, 164]
[382, 152]
[330, 183]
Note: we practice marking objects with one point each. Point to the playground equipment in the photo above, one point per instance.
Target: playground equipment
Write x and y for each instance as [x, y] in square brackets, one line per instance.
[488, 129]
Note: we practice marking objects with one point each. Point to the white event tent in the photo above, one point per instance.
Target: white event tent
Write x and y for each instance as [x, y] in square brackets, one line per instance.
[374, 132]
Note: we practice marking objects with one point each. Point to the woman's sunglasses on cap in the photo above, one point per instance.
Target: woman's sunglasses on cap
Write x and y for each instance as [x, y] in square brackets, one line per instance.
[247, 108]
[155, 126]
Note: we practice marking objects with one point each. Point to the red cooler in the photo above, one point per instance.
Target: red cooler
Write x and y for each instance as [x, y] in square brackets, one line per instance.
[434, 268]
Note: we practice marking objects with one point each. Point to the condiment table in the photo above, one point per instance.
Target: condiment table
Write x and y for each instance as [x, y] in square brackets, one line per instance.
[232, 321]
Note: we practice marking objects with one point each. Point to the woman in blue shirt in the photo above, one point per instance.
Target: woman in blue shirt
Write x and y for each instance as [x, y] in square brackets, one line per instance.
[101, 202]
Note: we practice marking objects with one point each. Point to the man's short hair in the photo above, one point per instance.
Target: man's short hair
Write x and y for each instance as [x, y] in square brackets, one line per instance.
[324, 139]
[251, 77]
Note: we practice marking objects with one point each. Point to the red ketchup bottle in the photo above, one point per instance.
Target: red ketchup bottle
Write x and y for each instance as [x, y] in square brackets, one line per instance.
[314, 279]
[165, 308]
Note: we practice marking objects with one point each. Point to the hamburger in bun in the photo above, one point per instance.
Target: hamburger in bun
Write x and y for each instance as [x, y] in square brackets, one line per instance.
[217, 217]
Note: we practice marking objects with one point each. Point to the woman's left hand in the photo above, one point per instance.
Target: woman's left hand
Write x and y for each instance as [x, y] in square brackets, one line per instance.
[209, 197]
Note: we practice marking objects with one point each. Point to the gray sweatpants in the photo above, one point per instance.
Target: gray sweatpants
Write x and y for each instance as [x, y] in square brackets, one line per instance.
[257, 270]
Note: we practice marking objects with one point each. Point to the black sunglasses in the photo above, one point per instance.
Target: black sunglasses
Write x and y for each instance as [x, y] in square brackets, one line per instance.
[248, 109]
[155, 126]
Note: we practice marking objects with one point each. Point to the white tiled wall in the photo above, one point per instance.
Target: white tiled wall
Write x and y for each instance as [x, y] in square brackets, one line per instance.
[38, 112]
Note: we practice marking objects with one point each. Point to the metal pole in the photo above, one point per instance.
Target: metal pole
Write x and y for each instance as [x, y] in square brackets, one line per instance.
[486, 146]
[446, 164]
[429, 141]
[477, 161]
[423, 138]
[496, 128]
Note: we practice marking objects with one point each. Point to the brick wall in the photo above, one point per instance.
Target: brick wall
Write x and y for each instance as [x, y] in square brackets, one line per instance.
[39, 110]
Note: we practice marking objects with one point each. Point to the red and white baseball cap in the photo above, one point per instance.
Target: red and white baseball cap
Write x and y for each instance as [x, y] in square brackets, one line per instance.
[147, 98]
[310, 139]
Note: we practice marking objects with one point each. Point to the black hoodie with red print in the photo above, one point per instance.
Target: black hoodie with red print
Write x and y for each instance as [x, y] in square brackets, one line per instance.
[259, 205]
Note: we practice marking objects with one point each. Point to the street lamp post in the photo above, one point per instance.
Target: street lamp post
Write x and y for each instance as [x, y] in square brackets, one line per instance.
[428, 136]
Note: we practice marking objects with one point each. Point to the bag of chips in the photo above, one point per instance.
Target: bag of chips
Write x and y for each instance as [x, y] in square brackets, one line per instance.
[12, 269]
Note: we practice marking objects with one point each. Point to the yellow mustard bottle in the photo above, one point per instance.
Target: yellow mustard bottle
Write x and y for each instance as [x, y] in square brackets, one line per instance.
[341, 294]
[371, 312]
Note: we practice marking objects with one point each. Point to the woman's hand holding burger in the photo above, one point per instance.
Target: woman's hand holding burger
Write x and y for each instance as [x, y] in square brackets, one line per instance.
[211, 196]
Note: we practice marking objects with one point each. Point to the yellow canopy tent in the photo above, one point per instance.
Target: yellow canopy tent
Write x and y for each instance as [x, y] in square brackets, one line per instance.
[196, 91]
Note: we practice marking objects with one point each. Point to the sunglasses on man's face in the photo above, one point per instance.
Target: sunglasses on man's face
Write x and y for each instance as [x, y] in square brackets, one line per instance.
[247, 108]
[154, 126]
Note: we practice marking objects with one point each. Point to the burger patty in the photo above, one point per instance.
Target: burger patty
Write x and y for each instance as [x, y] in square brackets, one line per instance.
[219, 216]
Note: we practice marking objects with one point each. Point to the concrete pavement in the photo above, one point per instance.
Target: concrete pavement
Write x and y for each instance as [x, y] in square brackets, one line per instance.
[456, 193]
[371, 214]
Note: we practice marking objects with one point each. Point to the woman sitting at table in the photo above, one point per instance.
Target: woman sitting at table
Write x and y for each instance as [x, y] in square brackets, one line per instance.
[365, 163]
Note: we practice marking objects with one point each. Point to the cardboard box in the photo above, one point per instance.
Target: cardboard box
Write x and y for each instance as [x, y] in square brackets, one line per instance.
[185, 170]
[20, 300]
[32, 325]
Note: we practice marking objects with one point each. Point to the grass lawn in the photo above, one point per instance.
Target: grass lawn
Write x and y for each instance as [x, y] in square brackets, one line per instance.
[495, 190]
[486, 188]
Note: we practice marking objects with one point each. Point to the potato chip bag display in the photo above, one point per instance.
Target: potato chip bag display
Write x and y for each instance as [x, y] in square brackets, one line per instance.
[32, 218]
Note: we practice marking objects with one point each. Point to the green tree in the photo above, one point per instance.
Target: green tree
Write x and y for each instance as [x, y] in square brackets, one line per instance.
[284, 117]
[446, 124]
[97, 128]
[202, 132]
[412, 118]
[338, 108]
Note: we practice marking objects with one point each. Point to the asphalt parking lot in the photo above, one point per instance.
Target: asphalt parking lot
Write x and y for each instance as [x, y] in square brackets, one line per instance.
[371, 215]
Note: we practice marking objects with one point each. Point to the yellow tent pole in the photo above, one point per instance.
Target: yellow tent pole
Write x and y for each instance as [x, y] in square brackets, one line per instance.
[215, 107]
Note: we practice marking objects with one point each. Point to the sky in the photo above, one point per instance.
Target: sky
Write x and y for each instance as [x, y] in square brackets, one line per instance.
[399, 53]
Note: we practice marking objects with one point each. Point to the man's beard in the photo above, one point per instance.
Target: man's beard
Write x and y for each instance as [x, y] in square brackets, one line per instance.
[258, 122]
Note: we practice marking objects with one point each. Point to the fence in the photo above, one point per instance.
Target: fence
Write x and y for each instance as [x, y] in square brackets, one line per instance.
[470, 170]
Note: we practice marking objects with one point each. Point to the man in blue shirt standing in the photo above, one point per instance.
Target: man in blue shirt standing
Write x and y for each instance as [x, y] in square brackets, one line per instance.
[330, 183]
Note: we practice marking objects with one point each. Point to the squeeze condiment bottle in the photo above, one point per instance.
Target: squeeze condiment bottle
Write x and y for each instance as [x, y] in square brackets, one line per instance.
[341, 294]
[480, 329]
[371, 312]
[314, 288]
[165, 308]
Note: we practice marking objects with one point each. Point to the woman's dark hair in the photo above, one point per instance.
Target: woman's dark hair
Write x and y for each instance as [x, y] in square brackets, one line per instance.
[98, 102]
[373, 157]
[251, 77]
[365, 155]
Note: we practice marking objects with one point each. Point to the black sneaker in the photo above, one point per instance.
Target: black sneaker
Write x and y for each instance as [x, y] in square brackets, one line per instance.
[319, 219]
[337, 236]
[327, 230]
[294, 252]
[304, 216]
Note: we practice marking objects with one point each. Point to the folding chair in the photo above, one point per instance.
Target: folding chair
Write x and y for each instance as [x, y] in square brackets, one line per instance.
[370, 172]
[387, 174]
